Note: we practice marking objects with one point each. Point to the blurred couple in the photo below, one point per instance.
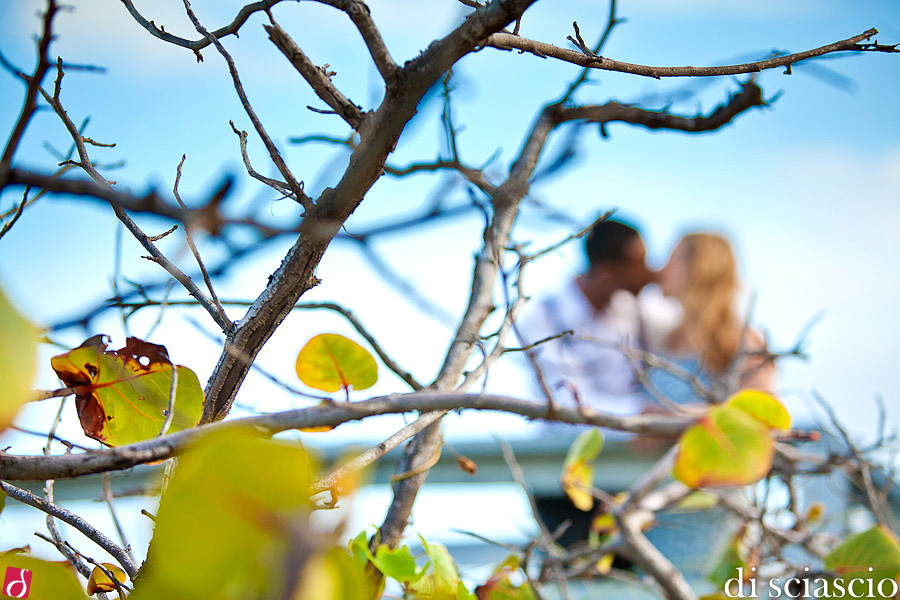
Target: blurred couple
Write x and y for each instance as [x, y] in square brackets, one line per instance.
[687, 314]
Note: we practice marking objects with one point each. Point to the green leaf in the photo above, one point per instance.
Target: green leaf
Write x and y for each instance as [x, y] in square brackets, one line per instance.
[396, 563]
[2, 500]
[330, 362]
[17, 361]
[698, 501]
[359, 553]
[585, 448]
[726, 447]
[228, 519]
[359, 548]
[876, 548]
[122, 396]
[48, 579]
[446, 576]
[578, 473]
[439, 578]
[464, 594]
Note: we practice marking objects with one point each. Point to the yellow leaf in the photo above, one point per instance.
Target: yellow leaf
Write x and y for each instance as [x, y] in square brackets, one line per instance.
[604, 524]
[577, 480]
[330, 362]
[604, 565]
[100, 581]
[764, 407]
[578, 471]
[333, 576]
[17, 361]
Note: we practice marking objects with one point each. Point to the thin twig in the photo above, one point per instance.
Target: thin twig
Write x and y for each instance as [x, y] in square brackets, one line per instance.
[57, 540]
[318, 79]
[274, 154]
[279, 186]
[18, 213]
[108, 498]
[29, 105]
[611, 22]
[865, 470]
[102, 186]
[196, 45]
[190, 241]
[75, 521]
[366, 458]
[38, 395]
[547, 539]
[362, 18]
[173, 389]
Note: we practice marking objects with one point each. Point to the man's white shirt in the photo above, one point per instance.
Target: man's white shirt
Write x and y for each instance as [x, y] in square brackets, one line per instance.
[592, 362]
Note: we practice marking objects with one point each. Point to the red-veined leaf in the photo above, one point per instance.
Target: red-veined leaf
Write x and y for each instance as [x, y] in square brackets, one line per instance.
[330, 362]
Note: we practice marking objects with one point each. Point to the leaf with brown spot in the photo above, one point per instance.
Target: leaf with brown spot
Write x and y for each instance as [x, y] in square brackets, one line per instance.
[122, 397]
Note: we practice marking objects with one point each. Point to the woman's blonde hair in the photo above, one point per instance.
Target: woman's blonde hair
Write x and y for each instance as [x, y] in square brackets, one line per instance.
[711, 325]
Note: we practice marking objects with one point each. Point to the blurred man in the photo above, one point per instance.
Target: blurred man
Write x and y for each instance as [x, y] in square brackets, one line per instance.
[601, 308]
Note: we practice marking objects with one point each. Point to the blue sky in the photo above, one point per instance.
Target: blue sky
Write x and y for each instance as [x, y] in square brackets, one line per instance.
[807, 188]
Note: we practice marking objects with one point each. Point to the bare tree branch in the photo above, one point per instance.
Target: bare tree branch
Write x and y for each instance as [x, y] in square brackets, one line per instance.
[506, 41]
[749, 96]
[196, 45]
[13, 467]
[359, 13]
[319, 79]
[29, 106]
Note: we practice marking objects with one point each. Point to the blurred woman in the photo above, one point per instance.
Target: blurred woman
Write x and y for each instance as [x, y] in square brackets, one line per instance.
[711, 342]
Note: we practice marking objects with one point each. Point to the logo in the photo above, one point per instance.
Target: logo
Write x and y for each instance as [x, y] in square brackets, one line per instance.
[17, 582]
